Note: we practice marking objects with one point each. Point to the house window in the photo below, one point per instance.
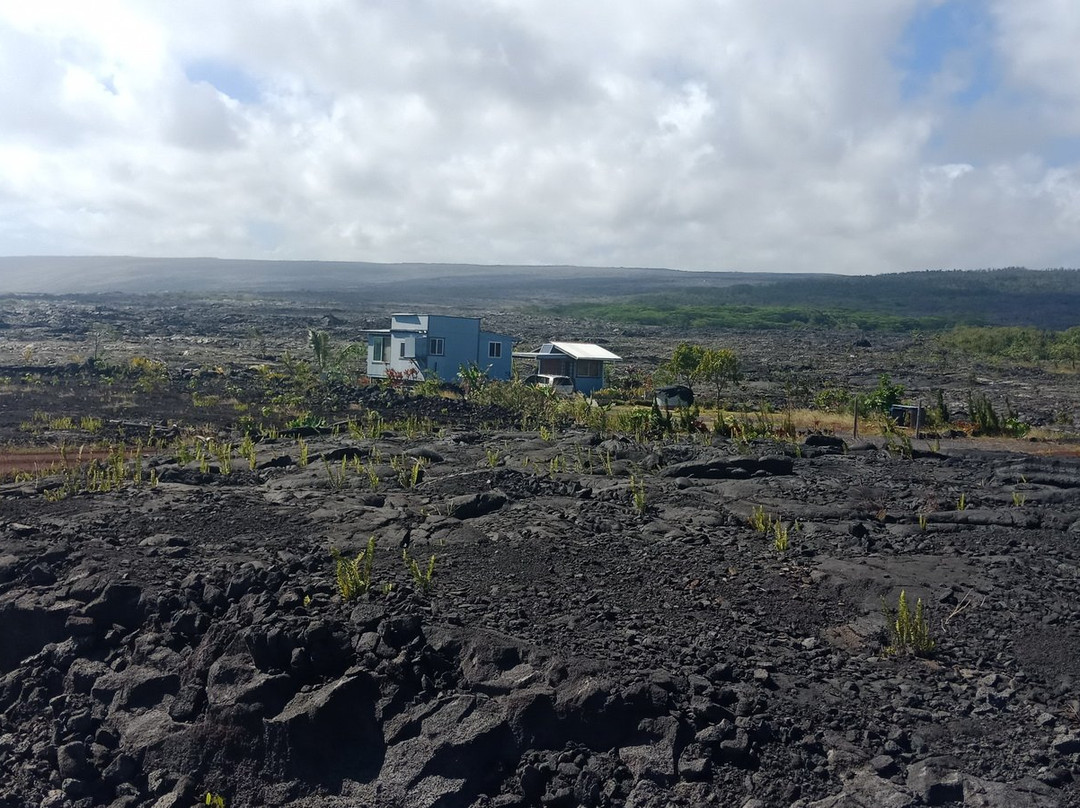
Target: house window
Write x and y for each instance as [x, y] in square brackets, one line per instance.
[494, 350]
[554, 367]
[436, 346]
[401, 350]
[590, 368]
[380, 347]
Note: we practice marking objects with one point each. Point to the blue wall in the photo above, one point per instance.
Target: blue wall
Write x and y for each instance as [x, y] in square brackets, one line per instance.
[589, 384]
[500, 366]
[464, 344]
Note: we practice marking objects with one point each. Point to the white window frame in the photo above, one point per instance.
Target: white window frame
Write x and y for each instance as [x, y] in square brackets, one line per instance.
[494, 350]
[401, 350]
[437, 346]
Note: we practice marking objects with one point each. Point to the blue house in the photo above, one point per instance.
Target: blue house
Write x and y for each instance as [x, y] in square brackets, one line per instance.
[583, 362]
[425, 346]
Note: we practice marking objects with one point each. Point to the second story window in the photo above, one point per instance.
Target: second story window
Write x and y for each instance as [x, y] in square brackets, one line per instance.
[436, 346]
[494, 350]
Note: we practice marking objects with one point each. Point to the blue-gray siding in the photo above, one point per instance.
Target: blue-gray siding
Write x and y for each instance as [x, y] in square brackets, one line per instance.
[463, 343]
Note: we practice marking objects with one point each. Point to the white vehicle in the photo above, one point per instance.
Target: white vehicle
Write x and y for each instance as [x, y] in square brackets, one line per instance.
[563, 385]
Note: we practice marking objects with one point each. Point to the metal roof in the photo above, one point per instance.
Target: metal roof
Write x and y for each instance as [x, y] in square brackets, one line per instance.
[575, 350]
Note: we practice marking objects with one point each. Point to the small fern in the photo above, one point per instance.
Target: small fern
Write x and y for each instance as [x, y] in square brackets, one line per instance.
[781, 535]
[909, 631]
[354, 574]
[638, 494]
[421, 577]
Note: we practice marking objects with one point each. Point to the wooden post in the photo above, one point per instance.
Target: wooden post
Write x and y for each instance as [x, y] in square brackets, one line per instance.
[918, 418]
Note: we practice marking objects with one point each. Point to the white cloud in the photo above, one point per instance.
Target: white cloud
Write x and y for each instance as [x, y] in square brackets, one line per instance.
[694, 134]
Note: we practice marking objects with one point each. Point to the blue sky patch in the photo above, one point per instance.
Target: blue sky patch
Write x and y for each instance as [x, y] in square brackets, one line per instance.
[226, 78]
[951, 36]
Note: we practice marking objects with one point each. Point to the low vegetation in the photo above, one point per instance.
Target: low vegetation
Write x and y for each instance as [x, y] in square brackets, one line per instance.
[682, 317]
[909, 630]
[353, 575]
[422, 577]
[1018, 344]
[902, 302]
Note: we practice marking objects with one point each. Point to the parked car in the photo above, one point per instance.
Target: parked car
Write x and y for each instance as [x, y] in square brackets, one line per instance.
[563, 385]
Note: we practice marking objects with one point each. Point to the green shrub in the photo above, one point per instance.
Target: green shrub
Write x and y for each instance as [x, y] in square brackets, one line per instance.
[988, 421]
[832, 399]
[882, 397]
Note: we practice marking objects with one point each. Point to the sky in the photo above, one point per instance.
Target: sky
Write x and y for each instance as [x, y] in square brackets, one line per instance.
[842, 136]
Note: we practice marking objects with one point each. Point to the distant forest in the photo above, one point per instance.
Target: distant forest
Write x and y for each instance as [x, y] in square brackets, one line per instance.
[929, 301]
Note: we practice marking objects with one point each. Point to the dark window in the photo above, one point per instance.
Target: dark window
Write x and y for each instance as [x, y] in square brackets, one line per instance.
[380, 347]
[401, 351]
[589, 368]
[437, 346]
[494, 350]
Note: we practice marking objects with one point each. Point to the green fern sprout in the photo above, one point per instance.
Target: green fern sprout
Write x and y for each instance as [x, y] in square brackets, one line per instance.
[781, 536]
[223, 453]
[137, 465]
[759, 520]
[408, 476]
[422, 578]
[247, 450]
[336, 473]
[354, 574]
[638, 494]
[909, 631]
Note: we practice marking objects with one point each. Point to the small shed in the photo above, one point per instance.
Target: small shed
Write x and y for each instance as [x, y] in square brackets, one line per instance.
[583, 362]
[908, 415]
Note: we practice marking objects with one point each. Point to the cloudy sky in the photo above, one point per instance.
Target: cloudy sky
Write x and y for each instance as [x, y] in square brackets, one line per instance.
[761, 135]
